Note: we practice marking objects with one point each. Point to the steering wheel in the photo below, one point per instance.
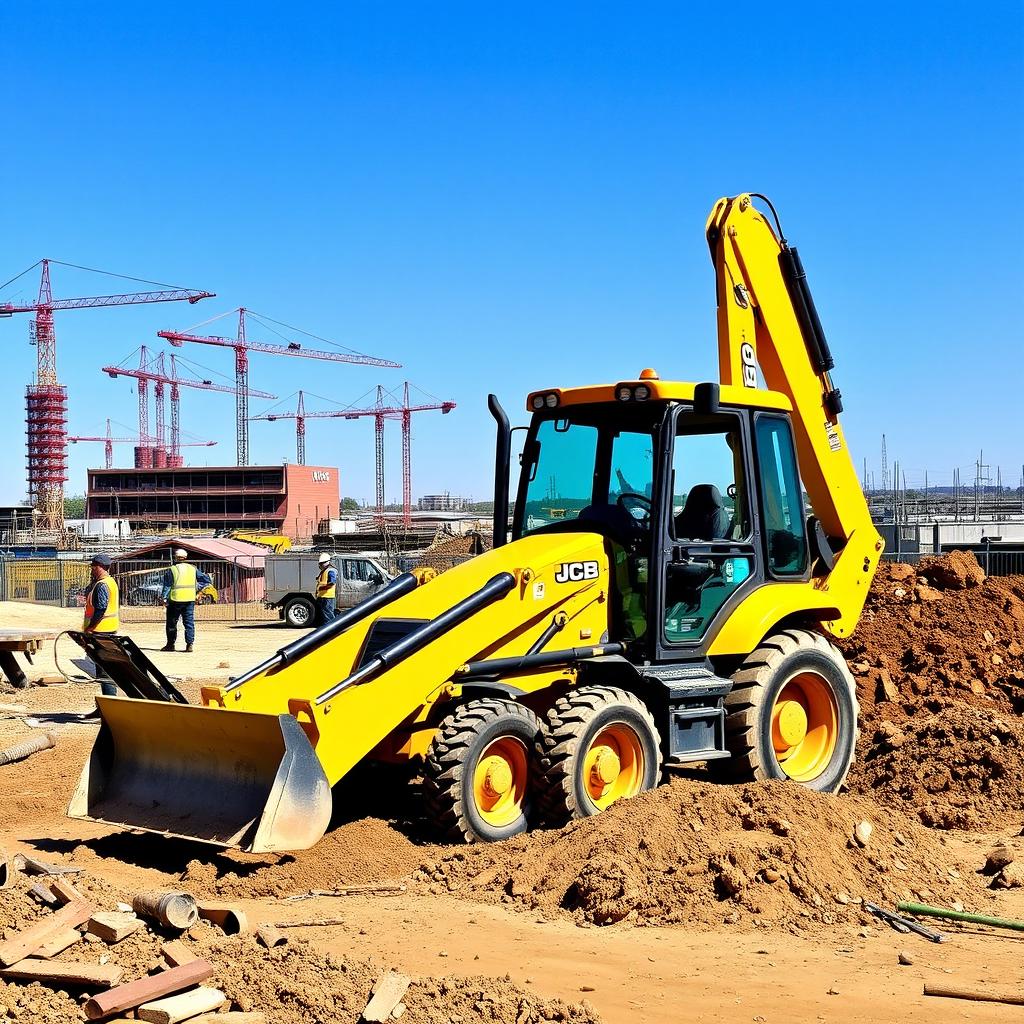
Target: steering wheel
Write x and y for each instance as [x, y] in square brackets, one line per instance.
[638, 506]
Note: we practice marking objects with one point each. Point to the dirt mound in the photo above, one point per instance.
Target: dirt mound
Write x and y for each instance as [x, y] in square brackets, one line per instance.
[939, 661]
[296, 984]
[303, 985]
[357, 853]
[697, 853]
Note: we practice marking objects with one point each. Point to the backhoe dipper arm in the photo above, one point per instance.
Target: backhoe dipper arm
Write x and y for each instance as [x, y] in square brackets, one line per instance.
[767, 320]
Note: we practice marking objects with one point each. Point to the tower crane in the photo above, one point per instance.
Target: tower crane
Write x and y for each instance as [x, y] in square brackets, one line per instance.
[381, 410]
[150, 370]
[109, 442]
[243, 345]
[46, 399]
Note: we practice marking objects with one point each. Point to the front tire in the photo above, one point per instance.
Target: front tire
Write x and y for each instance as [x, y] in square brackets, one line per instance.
[600, 744]
[792, 714]
[477, 782]
[299, 613]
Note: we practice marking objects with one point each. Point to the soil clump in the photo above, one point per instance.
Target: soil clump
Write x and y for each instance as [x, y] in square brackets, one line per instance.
[939, 661]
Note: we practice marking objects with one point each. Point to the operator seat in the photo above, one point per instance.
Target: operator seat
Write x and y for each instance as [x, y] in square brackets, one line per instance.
[703, 516]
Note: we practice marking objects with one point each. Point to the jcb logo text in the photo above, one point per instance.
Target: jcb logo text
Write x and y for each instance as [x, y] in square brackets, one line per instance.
[573, 572]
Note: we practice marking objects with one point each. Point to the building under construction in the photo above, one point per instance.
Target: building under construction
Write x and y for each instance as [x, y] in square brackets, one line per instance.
[288, 499]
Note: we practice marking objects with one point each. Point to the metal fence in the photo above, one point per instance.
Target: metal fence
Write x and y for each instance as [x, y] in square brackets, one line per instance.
[995, 561]
[239, 586]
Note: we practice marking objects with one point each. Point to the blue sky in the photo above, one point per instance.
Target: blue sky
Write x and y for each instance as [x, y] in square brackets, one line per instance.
[503, 197]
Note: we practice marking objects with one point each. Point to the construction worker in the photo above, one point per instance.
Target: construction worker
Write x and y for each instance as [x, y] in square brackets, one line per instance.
[326, 591]
[102, 610]
[181, 582]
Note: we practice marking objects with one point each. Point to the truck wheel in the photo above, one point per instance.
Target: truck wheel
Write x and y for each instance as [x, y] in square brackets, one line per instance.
[299, 612]
[599, 744]
[792, 714]
[476, 775]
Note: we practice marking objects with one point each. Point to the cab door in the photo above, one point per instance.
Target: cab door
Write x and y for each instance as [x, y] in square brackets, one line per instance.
[707, 530]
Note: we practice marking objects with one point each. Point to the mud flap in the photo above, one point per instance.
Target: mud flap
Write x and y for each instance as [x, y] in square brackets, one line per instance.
[231, 778]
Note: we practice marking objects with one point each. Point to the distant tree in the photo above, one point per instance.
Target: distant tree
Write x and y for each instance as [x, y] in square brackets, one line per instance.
[74, 506]
[349, 505]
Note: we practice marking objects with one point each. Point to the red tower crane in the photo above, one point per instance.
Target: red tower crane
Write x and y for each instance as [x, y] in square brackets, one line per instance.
[243, 346]
[46, 400]
[152, 370]
[380, 411]
[109, 442]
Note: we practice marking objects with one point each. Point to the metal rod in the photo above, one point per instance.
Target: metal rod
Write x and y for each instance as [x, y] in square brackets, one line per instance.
[288, 655]
[543, 659]
[906, 922]
[556, 625]
[496, 587]
[959, 915]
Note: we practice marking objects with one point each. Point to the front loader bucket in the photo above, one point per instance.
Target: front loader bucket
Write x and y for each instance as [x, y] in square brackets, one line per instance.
[232, 778]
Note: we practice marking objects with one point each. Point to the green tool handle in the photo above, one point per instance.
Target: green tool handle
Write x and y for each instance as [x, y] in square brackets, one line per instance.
[959, 915]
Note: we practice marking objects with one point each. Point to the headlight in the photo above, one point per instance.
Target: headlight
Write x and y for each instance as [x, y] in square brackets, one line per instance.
[642, 393]
[624, 394]
[538, 401]
[551, 400]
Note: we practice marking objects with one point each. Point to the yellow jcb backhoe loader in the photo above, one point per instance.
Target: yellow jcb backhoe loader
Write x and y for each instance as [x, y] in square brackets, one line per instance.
[666, 596]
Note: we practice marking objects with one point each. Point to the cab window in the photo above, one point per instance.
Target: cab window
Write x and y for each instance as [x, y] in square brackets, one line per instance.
[781, 497]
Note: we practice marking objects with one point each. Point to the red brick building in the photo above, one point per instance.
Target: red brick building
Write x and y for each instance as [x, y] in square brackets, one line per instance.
[288, 499]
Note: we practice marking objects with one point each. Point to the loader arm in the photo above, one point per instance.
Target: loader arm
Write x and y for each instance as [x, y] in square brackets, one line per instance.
[767, 321]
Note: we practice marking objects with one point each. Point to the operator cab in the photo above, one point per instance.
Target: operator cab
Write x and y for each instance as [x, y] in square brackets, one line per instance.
[698, 501]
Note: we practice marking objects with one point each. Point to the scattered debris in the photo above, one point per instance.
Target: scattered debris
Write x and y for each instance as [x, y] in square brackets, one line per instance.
[18, 752]
[387, 993]
[228, 918]
[932, 988]
[183, 1006]
[112, 926]
[176, 910]
[953, 915]
[93, 975]
[905, 958]
[270, 937]
[145, 990]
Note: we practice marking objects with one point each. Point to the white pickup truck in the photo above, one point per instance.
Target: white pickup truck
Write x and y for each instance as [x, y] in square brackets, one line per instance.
[291, 583]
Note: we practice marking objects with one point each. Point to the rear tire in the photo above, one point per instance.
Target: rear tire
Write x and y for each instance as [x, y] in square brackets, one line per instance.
[299, 612]
[477, 783]
[600, 744]
[791, 714]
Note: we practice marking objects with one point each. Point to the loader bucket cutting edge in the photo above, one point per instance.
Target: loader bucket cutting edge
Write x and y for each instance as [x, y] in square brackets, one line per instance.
[231, 778]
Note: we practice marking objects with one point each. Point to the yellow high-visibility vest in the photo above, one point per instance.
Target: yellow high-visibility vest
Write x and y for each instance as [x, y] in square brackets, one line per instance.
[111, 621]
[183, 583]
[324, 588]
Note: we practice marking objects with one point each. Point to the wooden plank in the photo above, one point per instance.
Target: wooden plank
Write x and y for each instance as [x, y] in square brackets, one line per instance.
[980, 995]
[41, 893]
[28, 940]
[183, 1006]
[177, 954]
[112, 926]
[145, 990]
[61, 941]
[231, 1017]
[36, 866]
[387, 994]
[64, 891]
[31, 969]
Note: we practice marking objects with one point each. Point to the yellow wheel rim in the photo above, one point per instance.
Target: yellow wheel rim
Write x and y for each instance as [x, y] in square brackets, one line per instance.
[613, 766]
[805, 726]
[500, 781]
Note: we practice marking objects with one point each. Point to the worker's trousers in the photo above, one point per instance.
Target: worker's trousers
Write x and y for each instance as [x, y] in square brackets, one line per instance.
[184, 610]
[324, 610]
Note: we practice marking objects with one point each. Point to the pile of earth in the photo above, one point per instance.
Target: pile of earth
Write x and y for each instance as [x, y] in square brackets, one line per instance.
[939, 661]
[770, 854]
[357, 853]
[294, 983]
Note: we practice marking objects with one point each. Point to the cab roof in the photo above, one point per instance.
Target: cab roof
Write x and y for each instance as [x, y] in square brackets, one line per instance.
[658, 390]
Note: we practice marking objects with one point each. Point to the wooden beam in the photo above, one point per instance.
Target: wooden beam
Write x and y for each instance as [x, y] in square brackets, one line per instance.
[62, 940]
[231, 1017]
[145, 990]
[979, 995]
[183, 1006]
[177, 954]
[31, 969]
[64, 891]
[28, 940]
[112, 926]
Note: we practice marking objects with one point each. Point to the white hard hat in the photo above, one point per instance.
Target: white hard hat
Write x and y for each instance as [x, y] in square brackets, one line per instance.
[325, 557]
[180, 553]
